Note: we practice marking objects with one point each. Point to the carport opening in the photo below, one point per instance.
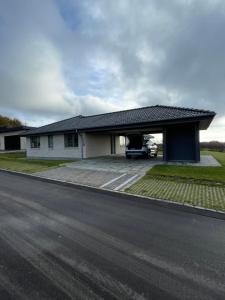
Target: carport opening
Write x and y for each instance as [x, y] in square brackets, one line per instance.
[142, 145]
[158, 139]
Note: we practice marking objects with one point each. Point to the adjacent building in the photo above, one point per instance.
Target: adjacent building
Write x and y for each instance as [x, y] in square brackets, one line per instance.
[11, 138]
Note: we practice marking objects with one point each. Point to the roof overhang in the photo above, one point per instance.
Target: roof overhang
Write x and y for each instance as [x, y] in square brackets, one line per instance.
[154, 127]
[148, 127]
[15, 129]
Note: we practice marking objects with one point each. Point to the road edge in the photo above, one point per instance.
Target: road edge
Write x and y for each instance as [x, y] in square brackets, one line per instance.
[144, 199]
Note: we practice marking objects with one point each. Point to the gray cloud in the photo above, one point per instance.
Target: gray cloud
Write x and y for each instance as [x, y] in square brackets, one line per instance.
[60, 58]
[195, 57]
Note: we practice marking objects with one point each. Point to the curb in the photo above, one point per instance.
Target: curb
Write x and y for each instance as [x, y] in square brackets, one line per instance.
[127, 196]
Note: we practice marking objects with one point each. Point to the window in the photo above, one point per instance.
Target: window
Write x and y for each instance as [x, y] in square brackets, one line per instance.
[50, 141]
[71, 140]
[35, 141]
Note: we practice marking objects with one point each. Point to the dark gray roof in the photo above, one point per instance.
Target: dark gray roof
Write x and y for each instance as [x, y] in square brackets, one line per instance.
[15, 128]
[150, 114]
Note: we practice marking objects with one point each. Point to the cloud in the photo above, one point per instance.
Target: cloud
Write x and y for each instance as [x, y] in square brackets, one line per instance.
[32, 72]
[215, 131]
[36, 82]
[31, 76]
[64, 57]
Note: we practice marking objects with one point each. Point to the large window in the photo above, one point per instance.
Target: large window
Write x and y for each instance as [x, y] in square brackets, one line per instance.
[71, 140]
[50, 141]
[35, 141]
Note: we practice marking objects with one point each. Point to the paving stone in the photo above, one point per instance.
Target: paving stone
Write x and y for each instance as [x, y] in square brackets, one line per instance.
[116, 163]
[212, 197]
[99, 171]
[87, 177]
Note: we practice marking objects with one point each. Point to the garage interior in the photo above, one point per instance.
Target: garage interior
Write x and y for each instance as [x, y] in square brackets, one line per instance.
[12, 142]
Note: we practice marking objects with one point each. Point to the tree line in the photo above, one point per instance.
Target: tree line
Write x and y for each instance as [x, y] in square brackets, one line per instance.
[213, 146]
[9, 122]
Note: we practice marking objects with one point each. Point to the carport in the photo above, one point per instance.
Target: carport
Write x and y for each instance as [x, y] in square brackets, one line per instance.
[179, 127]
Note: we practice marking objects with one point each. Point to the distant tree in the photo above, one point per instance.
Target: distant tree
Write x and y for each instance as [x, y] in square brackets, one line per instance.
[10, 122]
[213, 146]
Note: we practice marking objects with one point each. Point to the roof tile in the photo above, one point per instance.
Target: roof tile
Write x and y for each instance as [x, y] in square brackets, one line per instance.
[148, 114]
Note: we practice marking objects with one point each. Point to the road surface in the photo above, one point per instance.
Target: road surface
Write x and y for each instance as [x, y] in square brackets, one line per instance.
[59, 242]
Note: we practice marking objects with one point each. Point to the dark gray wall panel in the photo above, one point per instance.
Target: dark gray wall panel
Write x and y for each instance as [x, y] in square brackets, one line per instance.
[182, 143]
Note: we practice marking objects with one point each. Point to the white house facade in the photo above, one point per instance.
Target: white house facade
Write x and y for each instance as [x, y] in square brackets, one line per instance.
[72, 146]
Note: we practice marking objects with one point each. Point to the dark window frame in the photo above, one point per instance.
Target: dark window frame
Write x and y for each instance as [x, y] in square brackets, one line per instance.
[71, 140]
[50, 141]
[35, 142]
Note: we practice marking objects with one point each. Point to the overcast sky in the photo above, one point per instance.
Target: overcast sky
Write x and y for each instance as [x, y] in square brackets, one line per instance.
[60, 58]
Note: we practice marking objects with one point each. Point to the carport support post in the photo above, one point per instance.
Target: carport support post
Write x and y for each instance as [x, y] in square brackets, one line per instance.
[197, 143]
[82, 145]
[165, 156]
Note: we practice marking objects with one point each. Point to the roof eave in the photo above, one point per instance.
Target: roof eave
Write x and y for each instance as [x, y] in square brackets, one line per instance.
[204, 122]
[203, 125]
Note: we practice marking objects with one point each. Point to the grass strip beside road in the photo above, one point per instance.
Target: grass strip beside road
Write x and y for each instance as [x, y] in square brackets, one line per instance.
[212, 197]
[198, 186]
[17, 161]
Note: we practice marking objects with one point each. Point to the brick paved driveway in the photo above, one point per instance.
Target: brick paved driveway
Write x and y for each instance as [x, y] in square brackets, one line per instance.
[109, 172]
[112, 172]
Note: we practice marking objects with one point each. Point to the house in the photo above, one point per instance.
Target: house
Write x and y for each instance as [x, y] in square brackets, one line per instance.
[98, 135]
[11, 138]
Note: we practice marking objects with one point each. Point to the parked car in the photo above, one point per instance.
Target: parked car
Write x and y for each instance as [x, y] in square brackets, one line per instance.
[138, 145]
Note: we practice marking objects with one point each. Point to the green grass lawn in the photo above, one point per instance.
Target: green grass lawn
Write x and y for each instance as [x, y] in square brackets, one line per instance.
[17, 161]
[214, 174]
[198, 186]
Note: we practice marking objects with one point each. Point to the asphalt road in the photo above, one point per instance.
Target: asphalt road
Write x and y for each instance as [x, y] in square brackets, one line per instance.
[59, 242]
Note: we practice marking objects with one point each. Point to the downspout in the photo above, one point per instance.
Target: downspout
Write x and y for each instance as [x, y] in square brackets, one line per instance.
[82, 144]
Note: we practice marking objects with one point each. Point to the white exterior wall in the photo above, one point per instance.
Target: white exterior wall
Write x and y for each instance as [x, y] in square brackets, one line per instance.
[120, 149]
[22, 139]
[2, 142]
[96, 145]
[23, 143]
[58, 150]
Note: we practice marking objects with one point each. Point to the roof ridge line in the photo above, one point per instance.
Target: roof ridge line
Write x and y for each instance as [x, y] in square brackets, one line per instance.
[118, 111]
[185, 108]
[78, 116]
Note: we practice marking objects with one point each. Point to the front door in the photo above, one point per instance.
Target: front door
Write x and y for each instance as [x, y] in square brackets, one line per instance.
[113, 144]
